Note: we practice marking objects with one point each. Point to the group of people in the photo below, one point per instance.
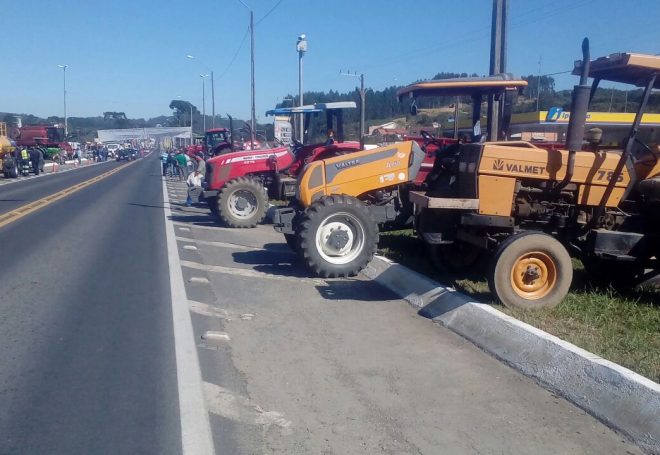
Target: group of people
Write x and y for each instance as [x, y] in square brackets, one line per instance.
[190, 167]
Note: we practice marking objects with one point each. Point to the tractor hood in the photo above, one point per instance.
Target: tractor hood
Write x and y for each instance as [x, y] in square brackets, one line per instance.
[246, 155]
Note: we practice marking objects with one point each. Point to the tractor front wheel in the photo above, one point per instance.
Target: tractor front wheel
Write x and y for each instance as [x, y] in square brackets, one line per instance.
[242, 203]
[337, 236]
[530, 271]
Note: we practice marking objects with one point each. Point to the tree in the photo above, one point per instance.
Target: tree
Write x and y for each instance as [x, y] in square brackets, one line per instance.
[182, 111]
[119, 118]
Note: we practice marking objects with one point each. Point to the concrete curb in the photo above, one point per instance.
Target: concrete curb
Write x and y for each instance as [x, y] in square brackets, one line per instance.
[620, 398]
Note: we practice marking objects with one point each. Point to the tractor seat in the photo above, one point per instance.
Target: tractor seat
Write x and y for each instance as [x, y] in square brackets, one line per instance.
[650, 188]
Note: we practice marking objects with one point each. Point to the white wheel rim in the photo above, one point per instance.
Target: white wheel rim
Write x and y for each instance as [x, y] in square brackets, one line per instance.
[349, 226]
[242, 204]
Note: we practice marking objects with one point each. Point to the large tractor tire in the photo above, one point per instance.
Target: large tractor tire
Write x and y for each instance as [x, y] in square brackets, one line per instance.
[13, 171]
[242, 203]
[337, 236]
[529, 271]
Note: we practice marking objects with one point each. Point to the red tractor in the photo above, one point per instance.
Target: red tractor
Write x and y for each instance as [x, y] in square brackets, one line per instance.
[239, 184]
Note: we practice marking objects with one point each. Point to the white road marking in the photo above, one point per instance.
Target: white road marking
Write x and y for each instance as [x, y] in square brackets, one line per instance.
[198, 279]
[248, 273]
[218, 228]
[189, 247]
[195, 428]
[224, 403]
[204, 309]
[247, 316]
[220, 244]
[185, 229]
[215, 336]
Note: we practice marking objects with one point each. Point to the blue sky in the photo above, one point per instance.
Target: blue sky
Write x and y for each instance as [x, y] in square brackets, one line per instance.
[131, 55]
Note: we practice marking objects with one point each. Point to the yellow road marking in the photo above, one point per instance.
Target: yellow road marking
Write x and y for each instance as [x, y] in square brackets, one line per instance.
[16, 214]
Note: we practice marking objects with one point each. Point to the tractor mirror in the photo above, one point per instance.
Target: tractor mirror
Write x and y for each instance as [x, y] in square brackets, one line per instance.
[413, 108]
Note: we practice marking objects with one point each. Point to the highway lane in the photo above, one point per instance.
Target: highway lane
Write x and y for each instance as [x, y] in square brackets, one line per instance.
[15, 193]
[87, 355]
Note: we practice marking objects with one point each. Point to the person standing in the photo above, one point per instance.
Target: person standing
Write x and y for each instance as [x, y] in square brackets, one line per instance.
[201, 166]
[163, 159]
[182, 164]
[36, 157]
[194, 183]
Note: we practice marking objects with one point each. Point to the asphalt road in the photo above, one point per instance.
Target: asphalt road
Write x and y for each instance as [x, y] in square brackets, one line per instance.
[87, 354]
[17, 192]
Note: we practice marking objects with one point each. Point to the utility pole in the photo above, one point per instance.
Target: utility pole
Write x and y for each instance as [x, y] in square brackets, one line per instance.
[301, 47]
[192, 57]
[203, 76]
[538, 86]
[363, 95]
[253, 115]
[253, 124]
[66, 120]
[212, 103]
[191, 123]
[498, 44]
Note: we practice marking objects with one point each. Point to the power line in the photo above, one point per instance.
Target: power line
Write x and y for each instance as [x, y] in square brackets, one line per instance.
[233, 59]
[269, 11]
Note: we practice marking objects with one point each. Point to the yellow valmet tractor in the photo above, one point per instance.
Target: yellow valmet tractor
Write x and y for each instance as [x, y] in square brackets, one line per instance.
[530, 208]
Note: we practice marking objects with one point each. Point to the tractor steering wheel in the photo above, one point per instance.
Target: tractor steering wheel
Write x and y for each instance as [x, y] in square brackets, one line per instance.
[648, 149]
[428, 137]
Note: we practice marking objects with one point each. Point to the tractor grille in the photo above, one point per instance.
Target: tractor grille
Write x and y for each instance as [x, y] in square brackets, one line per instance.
[208, 177]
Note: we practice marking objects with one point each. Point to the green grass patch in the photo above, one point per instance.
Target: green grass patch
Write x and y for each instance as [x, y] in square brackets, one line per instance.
[623, 327]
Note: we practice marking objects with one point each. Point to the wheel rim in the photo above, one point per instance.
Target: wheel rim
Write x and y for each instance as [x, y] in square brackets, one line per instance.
[340, 238]
[534, 275]
[243, 204]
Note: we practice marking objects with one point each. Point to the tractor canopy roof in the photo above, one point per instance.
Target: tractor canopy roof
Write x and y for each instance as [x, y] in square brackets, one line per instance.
[497, 83]
[312, 108]
[634, 69]
[293, 110]
[217, 130]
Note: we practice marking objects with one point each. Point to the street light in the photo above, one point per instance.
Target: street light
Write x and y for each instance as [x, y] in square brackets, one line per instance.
[204, 76]
[253, 115]
[301, 47]
[192, 57]
[66, 121]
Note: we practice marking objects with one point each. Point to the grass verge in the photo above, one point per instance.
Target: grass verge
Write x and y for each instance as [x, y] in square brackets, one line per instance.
[623, 327]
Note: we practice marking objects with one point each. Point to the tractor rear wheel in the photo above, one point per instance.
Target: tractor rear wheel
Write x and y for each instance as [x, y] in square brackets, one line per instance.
[13, 171]
[337, 236]
[531, 270]
[242, 203]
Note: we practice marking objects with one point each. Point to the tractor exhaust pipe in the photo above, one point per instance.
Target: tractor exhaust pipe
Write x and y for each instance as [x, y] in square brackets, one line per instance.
[579, 107]
[231, 132]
